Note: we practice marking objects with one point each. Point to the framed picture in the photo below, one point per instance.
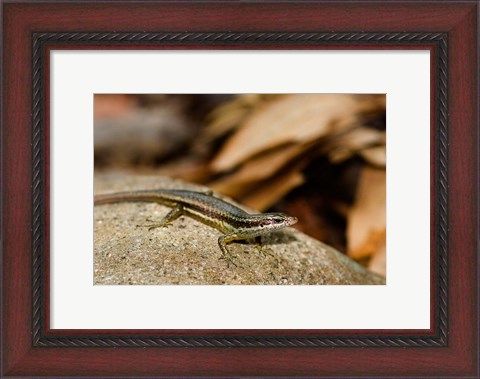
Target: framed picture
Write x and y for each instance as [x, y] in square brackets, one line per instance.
[196, 140]
[284, 100]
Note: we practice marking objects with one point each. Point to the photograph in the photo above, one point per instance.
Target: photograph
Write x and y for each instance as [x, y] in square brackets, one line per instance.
[245, 189]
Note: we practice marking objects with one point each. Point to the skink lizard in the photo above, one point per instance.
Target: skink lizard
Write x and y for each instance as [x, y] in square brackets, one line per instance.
[235, 223]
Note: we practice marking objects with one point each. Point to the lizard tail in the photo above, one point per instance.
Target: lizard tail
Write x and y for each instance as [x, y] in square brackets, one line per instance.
[120, 197]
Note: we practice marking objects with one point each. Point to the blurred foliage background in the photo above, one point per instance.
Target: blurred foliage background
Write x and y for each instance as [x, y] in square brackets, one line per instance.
[319, 157]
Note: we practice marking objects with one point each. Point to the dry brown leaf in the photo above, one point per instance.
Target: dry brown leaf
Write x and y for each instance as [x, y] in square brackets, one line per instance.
[258, 168]
[187, 168]
[273, 190]
[295, 118]
[343, 147]
[376, 155]
[378, 263]
[230, 187]
[229, 115]
[366, 224]
[225, 121]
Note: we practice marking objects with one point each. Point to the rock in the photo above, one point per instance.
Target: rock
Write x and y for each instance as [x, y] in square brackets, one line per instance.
[187, 251]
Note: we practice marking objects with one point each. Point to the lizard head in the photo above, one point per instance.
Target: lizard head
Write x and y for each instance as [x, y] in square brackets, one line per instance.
[277, 220]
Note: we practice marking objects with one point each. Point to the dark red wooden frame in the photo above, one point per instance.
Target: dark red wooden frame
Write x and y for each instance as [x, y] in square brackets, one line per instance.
[458, 358]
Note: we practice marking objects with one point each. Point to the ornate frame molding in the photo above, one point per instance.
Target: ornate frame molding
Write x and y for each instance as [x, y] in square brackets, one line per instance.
[209, 39]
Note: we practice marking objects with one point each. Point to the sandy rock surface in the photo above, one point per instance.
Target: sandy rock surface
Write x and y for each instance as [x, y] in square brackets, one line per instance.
[187, 251]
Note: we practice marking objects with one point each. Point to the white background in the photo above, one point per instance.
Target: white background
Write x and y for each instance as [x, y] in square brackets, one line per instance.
[403, 303]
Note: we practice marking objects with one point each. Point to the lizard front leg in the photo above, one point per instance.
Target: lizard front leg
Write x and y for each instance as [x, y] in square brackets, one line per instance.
[222, 242]
[264, 251]
[174, 213]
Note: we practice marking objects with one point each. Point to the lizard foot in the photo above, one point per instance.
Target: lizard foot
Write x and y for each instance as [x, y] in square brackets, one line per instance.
[264, 251]
[229, 259]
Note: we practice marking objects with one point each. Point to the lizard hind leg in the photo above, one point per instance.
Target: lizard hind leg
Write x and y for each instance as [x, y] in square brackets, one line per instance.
[175, 213]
